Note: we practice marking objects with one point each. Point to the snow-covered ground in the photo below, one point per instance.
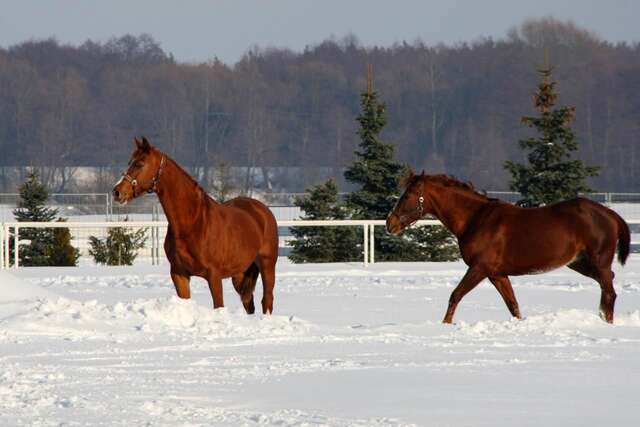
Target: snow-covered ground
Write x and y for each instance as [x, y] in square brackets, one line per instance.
[347, 346]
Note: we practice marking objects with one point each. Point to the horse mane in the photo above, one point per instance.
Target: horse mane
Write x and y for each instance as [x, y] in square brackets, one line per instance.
[186, 174]
[443, 180]
[451, 181]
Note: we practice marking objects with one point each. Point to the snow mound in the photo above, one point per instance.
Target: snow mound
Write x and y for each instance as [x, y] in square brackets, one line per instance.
[563, 328]
[173, 316]
[14, 289]
[169, 412]
[559, 321]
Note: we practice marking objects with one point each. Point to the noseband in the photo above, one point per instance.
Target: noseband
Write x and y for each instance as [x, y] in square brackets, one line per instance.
[154, 181]
[419, 210]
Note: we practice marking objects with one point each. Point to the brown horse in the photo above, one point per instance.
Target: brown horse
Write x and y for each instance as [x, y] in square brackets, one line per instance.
[498, 240]
[237, 239]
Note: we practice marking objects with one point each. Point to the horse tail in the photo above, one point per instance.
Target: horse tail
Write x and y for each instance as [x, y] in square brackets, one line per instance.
[624, 239]
[250, 277]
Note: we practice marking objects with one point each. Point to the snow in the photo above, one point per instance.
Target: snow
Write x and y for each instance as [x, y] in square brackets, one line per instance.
[347, 346]
[15, 289]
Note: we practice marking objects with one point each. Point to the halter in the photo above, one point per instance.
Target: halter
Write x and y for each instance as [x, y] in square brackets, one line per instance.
[154, 181]
[419, 209]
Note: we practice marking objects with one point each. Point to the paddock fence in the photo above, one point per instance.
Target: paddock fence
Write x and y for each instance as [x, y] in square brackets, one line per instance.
[152, 252]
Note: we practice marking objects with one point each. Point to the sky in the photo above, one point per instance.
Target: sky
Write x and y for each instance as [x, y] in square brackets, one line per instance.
[199, 30]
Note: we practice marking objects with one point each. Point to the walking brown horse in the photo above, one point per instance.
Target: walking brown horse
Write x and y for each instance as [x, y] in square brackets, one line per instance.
[237, 239]
[498, 240]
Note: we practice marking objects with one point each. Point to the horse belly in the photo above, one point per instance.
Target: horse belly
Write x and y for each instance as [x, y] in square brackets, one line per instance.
[540, 255]
[185, 258]
[234, 253]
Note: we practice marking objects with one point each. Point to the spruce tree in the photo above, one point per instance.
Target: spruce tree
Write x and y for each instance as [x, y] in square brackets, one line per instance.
[61, 252]
[551, 174]
[323, 244]
[120, 247]
[376, 174]
[32, 208]
[47, 246]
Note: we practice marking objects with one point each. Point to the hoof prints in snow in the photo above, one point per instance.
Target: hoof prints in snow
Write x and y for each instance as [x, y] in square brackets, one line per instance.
[78, 320]
[352, 347]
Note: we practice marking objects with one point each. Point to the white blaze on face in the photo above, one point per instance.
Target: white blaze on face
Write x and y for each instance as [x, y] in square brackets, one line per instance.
[119, 181]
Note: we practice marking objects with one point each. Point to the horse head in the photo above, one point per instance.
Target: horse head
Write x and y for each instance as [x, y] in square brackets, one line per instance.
[411, 206]
[142, 175]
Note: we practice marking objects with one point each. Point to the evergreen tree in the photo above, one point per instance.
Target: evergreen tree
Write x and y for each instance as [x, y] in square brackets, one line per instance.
[61, 252]
[47, 246]
[32, 208]
[120, 247]
[551, 174]
[376, 173]
[323, 244]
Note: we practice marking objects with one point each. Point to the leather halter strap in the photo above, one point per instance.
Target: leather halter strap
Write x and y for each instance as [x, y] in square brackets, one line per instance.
[419, 210]
[154, 181]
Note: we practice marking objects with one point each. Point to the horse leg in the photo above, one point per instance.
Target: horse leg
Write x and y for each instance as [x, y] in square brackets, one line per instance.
[268, 275]
[503, 285]
[604, 276]
[181, 283]
[245, 284]
[470, 280]
[215, 286]
[608, 295]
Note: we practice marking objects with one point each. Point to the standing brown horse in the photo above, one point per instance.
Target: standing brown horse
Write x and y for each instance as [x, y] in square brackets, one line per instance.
[498, 240]
[237, 239]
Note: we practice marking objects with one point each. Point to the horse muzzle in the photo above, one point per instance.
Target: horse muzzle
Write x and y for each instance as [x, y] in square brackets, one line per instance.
[121, 194]
[393, 225]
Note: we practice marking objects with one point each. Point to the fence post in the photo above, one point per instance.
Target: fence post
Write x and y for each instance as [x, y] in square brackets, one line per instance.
[365, 235]
[372, 244]
[6, 246]
[15, 246]
[106, 213]
[157, 245]
[2, 248]
[153, 246]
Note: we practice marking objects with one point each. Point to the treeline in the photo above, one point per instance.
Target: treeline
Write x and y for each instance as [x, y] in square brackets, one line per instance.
[453, 109]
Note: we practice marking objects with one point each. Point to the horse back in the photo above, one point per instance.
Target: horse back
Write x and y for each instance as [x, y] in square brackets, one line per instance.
[260, 214]
[256, 209]
[528, 240]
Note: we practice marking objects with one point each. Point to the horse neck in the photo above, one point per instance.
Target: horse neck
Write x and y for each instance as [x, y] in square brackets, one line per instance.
[181, 197]
[454, 207]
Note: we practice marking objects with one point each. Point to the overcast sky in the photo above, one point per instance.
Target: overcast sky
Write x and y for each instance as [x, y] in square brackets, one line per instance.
[198, 30]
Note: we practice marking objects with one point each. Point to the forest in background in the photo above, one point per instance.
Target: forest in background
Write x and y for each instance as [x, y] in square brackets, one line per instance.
[452, 109]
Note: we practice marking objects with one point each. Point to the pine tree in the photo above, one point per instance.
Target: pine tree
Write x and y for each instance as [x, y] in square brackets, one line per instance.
[61, 252]
[32, 208]
[47, 246]
[323, 244]
[376, 173]
[120, 247]
[551, 174]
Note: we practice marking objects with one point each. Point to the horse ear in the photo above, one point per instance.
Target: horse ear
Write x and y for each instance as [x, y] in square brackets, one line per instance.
[137, 142]
[144, 145]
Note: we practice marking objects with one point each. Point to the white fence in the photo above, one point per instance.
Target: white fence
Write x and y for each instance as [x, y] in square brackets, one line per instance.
[80, 232]
[156, 230]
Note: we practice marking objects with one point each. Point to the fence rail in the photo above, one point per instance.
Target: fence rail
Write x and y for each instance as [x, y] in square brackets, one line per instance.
[157, 230]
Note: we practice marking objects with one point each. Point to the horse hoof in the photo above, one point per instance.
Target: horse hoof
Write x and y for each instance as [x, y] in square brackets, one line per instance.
[250, 309]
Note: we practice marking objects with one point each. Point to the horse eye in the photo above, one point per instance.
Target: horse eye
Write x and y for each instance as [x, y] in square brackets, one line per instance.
[138, 164]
